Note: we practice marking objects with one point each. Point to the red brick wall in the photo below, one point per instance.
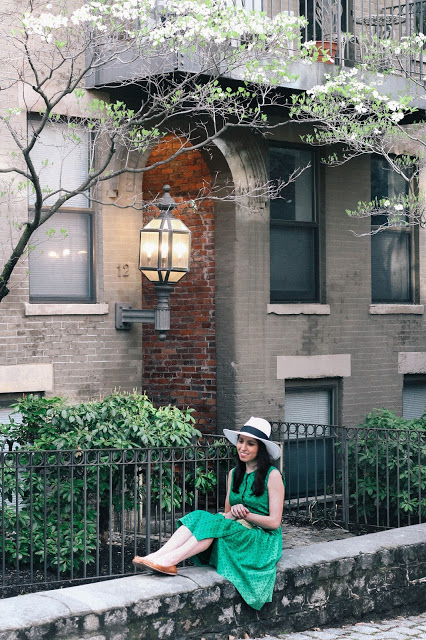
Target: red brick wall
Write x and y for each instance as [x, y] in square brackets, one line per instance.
[182, 370]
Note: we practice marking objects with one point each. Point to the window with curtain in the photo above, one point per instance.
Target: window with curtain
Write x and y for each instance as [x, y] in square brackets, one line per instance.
[313, 406]
[293, 227]
[414, 398]
[391, 248]
[61, 262]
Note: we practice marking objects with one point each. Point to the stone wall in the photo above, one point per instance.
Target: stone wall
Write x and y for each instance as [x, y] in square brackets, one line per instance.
[321, 584]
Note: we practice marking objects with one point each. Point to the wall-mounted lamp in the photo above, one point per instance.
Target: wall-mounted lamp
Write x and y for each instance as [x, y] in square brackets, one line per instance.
[165, 247]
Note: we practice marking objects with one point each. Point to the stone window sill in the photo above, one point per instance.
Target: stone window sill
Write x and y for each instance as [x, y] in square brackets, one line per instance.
[388, 309]
[55, 309]
[308, 309]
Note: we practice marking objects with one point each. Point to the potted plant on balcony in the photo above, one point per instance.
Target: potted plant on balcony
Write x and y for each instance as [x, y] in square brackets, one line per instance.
[328, 14]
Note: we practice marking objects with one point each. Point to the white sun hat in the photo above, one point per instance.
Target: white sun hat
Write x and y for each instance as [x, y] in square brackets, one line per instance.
[257, 428]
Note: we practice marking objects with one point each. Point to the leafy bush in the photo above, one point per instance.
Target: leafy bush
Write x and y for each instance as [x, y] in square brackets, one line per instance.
[387, 469]
[120, 421]
[66, 500]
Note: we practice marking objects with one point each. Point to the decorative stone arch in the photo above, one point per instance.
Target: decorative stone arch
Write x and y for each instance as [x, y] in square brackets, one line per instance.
[242, 282]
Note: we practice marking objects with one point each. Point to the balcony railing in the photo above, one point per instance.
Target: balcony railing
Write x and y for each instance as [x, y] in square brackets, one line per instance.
[348, 29]
[364, 21]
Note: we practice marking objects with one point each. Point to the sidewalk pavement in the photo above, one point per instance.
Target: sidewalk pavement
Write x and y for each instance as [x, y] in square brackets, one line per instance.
[401, 628]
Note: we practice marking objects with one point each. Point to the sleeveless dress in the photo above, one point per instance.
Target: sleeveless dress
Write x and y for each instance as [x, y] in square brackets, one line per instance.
[246, 557]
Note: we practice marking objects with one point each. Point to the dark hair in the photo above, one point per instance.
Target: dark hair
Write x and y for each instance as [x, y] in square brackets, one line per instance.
[263, 464]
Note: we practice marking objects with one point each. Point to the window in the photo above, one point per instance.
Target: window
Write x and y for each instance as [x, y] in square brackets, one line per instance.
[61, 264]
[309, 452]
[293, 227]
[321, 22]
[391, 249]
[311, 406]
[414, 397]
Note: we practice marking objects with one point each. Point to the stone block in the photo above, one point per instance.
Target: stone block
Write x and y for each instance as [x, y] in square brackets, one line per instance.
[326, 571]
[91, 623]
[338, 611]
[345, 566]
[204, 598]
[228, 591]
[366, 561]
[303, 577]
[386, 557]
[317, 597]
[339, 589]
[66, 627]
[115, 618]
[361, 606]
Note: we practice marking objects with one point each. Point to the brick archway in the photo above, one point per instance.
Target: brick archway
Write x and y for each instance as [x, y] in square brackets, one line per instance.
[182, 370]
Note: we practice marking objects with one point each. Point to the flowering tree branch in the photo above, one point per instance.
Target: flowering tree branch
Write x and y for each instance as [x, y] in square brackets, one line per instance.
[352, 109]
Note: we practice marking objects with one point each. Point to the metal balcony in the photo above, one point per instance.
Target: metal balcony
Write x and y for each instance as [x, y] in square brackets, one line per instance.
[352, 25]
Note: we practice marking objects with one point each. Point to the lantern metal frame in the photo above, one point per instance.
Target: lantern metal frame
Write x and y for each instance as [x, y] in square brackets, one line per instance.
[125, 315]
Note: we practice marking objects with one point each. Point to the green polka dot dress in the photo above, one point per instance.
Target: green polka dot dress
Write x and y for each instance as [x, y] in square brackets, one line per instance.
[246, 557]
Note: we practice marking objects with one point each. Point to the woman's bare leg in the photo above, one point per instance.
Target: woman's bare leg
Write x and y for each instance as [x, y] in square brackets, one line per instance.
[180, 536]
[189, 548]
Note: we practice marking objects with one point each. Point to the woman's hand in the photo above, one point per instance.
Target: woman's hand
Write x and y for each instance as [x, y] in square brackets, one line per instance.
[239, 511]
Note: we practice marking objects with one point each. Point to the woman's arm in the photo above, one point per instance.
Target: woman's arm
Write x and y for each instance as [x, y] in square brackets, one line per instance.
[276, 504]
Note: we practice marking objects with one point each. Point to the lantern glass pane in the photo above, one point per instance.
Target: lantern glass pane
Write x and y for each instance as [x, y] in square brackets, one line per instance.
[175, 276]
[164, 250]
[149, 249]
[152, 275]
[153, 224]
[178, 225]
[180, 253]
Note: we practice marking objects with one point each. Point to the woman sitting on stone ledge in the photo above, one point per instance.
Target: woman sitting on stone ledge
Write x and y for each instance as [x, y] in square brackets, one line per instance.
[244, 543]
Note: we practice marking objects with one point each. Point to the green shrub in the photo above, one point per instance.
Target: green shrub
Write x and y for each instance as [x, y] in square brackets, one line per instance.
[387, 469]
[61, 497]
[120, 421]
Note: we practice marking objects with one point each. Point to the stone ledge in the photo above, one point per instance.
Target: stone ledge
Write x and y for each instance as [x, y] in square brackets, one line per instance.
[323, 583]
[307, 309]
[389, 309]
[70, 309]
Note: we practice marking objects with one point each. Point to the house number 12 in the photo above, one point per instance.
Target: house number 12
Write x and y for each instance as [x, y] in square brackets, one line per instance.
[123, 270]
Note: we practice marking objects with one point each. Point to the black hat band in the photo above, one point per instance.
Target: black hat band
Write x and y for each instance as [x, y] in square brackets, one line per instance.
[254, 432]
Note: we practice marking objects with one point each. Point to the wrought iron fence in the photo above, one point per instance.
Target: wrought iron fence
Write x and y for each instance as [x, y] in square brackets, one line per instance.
[82, 515]
[71, 516]
[355, 476]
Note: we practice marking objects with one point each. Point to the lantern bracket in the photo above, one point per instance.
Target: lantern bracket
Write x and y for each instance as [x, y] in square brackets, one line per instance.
[125, 315]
